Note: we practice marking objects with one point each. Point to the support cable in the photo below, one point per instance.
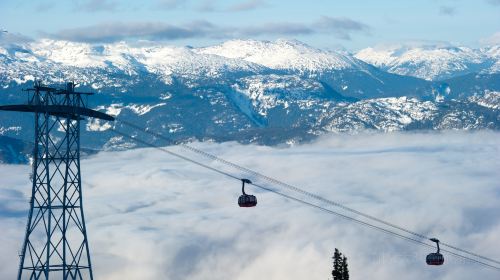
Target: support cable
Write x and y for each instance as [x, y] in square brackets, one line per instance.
[297, 189]
[302, 201]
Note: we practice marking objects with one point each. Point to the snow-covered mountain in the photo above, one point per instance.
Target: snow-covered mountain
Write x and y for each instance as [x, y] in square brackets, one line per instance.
[122, 66]
[432, 62]
[242, 90]
[85, 64]
[494, 53]
[284, 54]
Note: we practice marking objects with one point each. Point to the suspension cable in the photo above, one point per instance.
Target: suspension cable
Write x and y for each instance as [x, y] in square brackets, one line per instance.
[297, 189]
[302, 201]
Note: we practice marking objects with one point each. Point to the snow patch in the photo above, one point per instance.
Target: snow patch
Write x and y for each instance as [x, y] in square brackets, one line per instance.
[490, 99]
[4, 130]
[98, 125]
[165, 96]
[143, 108]
[114, 109]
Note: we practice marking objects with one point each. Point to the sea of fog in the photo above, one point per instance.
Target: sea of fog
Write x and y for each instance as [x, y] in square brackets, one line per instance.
[152, 216]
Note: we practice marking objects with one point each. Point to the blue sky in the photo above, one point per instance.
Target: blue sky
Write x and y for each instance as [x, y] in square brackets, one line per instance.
[353, 24]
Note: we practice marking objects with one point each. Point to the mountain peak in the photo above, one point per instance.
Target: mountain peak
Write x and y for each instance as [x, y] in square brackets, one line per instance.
[282, 54]
[427, 61]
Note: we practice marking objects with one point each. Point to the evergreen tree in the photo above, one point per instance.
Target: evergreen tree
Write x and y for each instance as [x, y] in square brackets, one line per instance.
[345, 270]
[337, 265]
[340, 269]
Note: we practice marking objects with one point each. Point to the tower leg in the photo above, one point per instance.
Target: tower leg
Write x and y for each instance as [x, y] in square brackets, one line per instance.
[56, 243]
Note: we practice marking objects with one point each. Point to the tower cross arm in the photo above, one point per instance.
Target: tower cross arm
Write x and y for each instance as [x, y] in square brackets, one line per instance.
[71, 112]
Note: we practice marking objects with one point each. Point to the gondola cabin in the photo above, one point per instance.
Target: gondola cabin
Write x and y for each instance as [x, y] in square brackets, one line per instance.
[435, 258]
[246, 200]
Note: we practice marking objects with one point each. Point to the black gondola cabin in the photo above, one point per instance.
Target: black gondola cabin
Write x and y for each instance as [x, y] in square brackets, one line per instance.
[435, 258]
[246, 200]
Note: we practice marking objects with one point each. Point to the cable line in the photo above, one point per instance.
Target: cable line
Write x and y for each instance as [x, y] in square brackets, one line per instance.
[297, 189]
[416, 241]
[302, 201]
[177, 155]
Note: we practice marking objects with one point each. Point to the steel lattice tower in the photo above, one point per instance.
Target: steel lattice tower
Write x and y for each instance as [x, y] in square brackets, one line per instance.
[55, 244]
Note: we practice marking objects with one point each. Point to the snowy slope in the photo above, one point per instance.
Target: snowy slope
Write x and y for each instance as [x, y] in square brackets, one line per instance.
[80, 62]
[95, 64]
[283, 54]
[168, 59]
[280, 54]
[251, 91]
[123, 66]
[494, 54]
[429, 62]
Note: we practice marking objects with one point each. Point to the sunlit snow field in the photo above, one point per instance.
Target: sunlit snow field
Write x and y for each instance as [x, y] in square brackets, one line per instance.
[152, 216]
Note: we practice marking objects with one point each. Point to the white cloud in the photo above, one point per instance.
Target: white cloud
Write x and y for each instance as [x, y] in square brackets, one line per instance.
[169, 4]
[341, 28]
[447, 10]
[95, 5]
[492, 40]
[494, 2]
[150, 216]
[246, 5]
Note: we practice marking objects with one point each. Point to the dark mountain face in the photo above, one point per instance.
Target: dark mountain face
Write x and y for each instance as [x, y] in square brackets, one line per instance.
[472, 84]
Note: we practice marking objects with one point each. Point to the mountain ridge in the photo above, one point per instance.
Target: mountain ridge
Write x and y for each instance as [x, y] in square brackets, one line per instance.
[221, 93]
[432, 62]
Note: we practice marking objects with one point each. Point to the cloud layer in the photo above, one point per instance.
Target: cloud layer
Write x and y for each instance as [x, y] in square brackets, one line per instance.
[447, 10]
[492, 40]
[116, 31]
[246, 5]
[96, 5]
[150, 216]
[341, 28]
